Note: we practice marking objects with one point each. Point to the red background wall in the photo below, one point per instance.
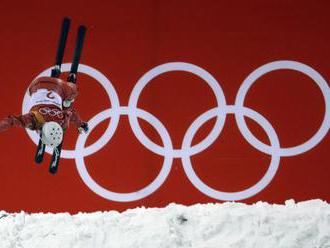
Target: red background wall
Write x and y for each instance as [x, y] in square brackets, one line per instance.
[126, 39]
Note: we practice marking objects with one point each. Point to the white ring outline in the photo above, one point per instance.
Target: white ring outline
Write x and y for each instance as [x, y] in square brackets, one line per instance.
[169, 67]
[142, 193]
[240, 195]
[277, 65]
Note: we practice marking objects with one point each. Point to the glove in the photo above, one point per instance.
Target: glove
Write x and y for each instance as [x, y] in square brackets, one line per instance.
[83, 128]
[67, 103]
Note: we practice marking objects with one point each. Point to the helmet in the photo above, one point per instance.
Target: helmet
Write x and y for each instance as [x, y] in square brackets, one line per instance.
[52, 134]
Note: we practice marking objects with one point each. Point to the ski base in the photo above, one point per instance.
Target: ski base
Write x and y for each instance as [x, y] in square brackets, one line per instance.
[55, 159]
[39, 156]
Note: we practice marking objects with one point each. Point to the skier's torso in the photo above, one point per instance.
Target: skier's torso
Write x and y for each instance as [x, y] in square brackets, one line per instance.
[47, 96]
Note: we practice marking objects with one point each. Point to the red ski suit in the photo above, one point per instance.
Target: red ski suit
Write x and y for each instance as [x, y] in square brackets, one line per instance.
[47, 96]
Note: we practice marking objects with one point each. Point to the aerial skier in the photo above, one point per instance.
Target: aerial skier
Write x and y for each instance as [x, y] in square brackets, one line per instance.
[51, 103]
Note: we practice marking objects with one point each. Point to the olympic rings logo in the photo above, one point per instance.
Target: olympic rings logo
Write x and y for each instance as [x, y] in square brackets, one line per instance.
[187, 149]
[51, 112]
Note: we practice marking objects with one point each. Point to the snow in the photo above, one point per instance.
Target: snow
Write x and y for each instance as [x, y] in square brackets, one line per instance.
[234, 225]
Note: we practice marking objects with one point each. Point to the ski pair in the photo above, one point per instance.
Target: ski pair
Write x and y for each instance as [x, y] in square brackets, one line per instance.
[56, 72]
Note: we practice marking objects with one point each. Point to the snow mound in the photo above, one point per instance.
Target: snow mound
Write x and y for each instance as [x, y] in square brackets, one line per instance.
[232, 225]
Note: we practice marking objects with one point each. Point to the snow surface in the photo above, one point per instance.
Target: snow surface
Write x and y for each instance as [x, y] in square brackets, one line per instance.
[234, 225]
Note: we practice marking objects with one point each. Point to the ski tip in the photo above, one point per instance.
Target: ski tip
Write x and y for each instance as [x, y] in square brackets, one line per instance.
[82, 28]
[38, 160]
[66, 20]
[52, 172]
[66, 24]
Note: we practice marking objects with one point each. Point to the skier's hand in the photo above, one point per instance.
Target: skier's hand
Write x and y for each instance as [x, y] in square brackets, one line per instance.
[83, 128]
[67, 103]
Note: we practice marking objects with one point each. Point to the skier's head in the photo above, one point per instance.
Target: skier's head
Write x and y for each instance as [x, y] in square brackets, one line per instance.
[52, 134]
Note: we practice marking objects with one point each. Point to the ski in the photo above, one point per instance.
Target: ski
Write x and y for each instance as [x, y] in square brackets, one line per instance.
[39, 156]
[77, 54]
[73, 79]
[56, 72]
[55, 159]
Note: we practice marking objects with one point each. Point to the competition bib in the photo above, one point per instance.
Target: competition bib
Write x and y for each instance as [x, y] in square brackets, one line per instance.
[44, 96]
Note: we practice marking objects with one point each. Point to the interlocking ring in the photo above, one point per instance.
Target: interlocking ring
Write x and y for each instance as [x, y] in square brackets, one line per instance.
[51, 112]
[187, 150]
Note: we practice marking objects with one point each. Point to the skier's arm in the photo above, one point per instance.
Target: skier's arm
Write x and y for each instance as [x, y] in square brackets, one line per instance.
[75, 118]
[25, 121]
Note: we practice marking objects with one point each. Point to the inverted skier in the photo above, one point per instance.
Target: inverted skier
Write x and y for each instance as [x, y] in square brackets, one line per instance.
[51, 102]
[51, 110]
